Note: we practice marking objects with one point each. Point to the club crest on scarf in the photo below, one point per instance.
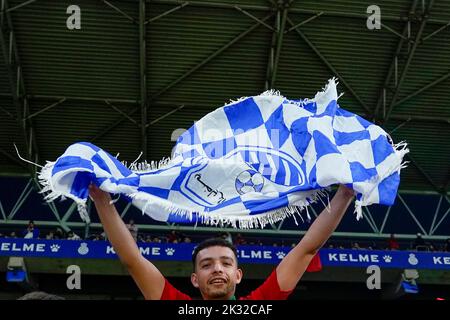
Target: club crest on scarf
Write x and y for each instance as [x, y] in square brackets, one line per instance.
[249, 181]
[249, 163]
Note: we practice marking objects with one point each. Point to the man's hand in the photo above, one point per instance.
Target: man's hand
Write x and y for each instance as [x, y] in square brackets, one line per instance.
[345, 191]
[99, 196]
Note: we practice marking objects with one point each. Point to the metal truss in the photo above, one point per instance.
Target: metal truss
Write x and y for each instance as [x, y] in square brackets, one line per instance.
[392, 72]
[151, 100]
[16, 81]
[330, 66]
[143, 77]
[281, 9]
[360, 16]
[411, 52]
[276, 44]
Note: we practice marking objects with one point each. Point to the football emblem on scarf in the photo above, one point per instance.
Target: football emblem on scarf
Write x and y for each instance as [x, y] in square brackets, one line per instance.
[249, 181]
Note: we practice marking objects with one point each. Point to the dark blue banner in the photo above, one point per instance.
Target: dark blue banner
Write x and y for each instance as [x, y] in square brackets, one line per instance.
[247, 254]
[385, 259]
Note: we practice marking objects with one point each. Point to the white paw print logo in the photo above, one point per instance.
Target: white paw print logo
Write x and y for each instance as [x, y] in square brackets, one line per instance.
[412, 259]
[387, 259]
[55, 247]
[170, 251]
[83, 249]
[280, 254]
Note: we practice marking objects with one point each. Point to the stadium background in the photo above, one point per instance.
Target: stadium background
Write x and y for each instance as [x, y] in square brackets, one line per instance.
[139, 72]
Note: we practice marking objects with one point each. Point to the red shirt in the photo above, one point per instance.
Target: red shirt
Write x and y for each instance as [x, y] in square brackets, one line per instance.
[393, 244]
[269, 290]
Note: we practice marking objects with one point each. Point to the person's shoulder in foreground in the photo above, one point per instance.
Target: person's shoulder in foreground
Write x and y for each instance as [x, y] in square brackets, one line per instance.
[40, 295]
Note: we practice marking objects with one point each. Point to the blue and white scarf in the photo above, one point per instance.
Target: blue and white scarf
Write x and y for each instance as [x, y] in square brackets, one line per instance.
[252, 162]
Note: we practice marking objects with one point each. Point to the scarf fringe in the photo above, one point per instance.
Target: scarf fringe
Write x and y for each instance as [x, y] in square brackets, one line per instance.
[204, 217]
[45, 179]
[332, 83]
[147, 167]
[271, 93]
[235, 221]
[400, 149]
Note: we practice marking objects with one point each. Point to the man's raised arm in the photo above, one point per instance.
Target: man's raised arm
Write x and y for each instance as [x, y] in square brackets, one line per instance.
[293, 266]
[147, 277]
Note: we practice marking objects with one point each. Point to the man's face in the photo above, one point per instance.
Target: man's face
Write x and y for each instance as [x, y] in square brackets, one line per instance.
[216, 273]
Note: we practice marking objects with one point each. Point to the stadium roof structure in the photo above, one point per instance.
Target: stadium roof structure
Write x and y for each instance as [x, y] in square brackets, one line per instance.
[136, 73]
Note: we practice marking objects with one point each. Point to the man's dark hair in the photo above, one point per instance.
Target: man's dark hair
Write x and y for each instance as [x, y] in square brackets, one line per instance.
[213, 242]
[40, 295]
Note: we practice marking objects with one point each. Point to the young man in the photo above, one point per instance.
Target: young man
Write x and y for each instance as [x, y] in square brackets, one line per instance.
[216, 272]
[216, 275]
